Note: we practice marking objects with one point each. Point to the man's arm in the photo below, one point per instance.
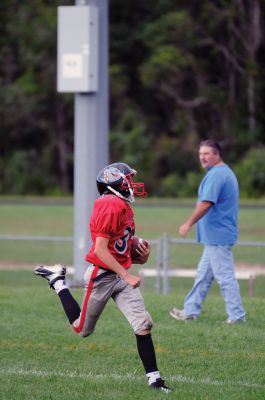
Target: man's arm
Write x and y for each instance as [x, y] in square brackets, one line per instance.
[200, 210]
[103, 253]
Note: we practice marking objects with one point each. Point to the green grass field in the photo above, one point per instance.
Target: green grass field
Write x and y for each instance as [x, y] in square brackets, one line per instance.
[41, 358]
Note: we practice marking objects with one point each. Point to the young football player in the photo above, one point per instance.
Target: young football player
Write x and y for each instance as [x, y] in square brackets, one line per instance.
[108, 276]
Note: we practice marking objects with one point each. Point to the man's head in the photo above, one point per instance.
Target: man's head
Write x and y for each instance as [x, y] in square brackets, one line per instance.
[117, 178]
[210, 153]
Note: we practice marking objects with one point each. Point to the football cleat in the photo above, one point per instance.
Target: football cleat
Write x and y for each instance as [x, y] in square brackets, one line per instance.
[51, 273]
[159, 384]
[181, 316]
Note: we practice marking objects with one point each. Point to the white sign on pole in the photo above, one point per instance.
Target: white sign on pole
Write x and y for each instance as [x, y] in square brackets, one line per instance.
[72, 65]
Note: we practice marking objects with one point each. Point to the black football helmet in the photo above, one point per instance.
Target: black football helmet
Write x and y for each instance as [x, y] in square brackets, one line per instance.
[117, 178]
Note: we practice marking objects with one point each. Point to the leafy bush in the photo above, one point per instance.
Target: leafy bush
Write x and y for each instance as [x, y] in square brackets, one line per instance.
[174, 185]
[251, 173]
[21, 178]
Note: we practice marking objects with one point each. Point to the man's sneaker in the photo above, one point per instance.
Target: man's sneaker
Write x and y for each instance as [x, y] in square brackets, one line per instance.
[51, 273]
[235, 321]
[159, 384]
[180, 315]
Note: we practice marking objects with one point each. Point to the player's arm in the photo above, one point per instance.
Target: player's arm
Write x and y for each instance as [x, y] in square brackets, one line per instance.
[200, 210]
[103, 253]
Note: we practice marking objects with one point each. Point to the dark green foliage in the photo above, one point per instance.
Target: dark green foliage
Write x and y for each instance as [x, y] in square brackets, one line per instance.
[251, 173]
[179, 72]
[36, 131]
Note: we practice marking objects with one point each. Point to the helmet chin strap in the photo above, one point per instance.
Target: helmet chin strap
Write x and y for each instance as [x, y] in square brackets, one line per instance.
[129, 199]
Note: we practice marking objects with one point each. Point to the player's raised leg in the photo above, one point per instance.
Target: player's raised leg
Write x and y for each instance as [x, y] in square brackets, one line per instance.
[55, 275]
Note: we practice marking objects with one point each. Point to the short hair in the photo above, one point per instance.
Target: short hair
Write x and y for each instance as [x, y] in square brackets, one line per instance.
[214, 145]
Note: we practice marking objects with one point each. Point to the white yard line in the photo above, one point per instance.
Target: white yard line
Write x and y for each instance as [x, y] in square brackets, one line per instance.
[118, 377]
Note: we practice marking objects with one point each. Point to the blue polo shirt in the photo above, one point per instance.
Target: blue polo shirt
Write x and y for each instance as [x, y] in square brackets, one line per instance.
[219, 225]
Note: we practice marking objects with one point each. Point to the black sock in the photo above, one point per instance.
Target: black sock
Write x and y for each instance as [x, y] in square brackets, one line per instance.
[146, 352]
[70, 305]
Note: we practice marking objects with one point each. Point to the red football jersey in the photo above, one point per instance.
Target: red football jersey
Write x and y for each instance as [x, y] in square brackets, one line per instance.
[112, 218]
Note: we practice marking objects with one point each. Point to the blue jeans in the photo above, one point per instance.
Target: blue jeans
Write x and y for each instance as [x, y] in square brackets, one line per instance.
[216, 263]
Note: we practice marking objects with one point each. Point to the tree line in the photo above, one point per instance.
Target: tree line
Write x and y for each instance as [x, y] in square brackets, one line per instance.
[180, 72]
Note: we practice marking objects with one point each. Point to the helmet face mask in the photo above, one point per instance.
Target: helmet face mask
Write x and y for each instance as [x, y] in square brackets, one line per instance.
[117, 179]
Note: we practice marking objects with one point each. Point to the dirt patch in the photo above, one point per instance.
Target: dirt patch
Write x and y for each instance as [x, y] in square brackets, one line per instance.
[14, 265]
[258, 269]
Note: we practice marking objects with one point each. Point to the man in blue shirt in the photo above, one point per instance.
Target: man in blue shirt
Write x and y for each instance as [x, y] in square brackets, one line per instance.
[215, 216]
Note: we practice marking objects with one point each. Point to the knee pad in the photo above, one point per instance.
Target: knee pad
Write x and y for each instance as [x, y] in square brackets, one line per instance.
[145, 323]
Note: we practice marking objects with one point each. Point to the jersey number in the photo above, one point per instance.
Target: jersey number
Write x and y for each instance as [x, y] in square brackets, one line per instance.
[121, 243]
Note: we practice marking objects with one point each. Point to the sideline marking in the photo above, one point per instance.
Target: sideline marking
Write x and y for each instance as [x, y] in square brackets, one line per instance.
[90, 375]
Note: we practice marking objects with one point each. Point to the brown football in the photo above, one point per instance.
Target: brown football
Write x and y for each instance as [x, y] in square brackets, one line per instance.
[135, 242]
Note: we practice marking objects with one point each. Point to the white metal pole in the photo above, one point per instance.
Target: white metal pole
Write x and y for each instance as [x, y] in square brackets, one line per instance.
[165, 264]
[159, 248]
[91, 151]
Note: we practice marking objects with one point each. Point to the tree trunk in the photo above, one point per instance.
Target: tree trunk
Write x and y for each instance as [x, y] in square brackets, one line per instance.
[254, 40]
[251, 104]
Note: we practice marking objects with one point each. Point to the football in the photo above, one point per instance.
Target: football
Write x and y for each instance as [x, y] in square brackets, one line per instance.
[135, 242]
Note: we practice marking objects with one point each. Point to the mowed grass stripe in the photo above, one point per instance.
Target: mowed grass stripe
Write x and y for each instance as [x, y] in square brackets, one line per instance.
[118, 377]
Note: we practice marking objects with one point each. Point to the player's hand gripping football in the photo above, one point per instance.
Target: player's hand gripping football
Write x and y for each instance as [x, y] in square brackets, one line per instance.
[141, 252]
